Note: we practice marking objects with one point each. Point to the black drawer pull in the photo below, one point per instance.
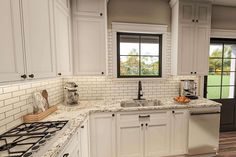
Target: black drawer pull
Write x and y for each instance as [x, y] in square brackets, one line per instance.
[147, 116]
[82, 126]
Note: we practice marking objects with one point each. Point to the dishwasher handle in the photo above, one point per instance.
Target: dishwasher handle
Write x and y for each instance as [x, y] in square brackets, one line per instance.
[203, 113]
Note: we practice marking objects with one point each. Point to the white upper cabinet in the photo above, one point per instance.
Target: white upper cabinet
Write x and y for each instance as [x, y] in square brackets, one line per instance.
[12, 58]
[89, 34]
[191, 24]
[203, 13]
[187, 12]
[90, 54]
[63, 40]
[39, 33]
[90, 7]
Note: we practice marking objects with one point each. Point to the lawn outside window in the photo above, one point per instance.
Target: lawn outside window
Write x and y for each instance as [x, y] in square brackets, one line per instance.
[222, 69]
[139, 55]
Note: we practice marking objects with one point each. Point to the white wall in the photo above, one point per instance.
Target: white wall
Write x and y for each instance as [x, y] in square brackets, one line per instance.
[139, 11]
[223, 17]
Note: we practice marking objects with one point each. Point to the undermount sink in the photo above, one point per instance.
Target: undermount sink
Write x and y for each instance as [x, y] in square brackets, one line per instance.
[140, 103]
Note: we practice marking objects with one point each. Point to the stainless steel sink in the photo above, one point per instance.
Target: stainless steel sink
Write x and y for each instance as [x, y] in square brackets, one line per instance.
[140, 103]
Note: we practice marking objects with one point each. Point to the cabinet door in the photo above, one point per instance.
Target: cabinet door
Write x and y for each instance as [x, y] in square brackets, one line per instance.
[202, 42]
[186, 49]
[130, 136]
[39, 33]
[187, 12]
[90, 51]
[102, 135]
[157, 135]
[203, 13]
[11, 60]
[63, 40]
[84, 140]
[90, 7]
[179, 127]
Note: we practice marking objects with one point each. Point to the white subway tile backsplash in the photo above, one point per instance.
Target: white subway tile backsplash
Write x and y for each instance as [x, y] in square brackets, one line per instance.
[5, 96]
[10, 89]
[6, 108]
[11, 101]
[16, 100]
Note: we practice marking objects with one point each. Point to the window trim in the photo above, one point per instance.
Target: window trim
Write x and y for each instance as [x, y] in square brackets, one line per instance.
[139, 28]
[159, 56]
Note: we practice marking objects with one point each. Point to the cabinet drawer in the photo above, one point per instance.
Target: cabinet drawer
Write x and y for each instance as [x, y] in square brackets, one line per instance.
[143, 116]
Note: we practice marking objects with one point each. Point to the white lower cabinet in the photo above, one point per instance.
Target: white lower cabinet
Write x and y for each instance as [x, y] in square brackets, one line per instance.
[179, 132]
[143, 134]
[131, 134]
[152, 134]
[84, 139]
[102, 134]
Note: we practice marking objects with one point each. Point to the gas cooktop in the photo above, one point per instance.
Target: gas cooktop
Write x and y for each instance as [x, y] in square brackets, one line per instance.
[27, 138]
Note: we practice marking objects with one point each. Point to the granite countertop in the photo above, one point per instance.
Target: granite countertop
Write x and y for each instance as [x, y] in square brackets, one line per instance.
[77, 114]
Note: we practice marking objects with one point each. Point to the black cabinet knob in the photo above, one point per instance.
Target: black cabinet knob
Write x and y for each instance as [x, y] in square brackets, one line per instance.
[193, 20]
[173, 112]
[146, 124]
[141, 124]
[102, 73]
[31, 75]
[191, 72]
[113, 115]
[66, 155]
[82, 126]
[59, 74]
[101, 14]
[23, 76]
[196, 20]
[195, 72]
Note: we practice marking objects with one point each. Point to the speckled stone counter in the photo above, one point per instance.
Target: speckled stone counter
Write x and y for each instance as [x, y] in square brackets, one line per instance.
[77, 114]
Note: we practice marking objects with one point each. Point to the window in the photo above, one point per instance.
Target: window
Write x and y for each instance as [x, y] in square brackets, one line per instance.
[139, 55]
[220, 82]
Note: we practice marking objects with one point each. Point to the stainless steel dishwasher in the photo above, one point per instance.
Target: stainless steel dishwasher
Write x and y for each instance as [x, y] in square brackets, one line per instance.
[204, 126]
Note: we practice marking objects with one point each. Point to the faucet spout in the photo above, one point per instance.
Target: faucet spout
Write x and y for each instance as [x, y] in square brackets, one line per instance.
[140, 91]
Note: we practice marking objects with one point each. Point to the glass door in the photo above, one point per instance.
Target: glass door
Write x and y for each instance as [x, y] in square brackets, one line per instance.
[220, 82]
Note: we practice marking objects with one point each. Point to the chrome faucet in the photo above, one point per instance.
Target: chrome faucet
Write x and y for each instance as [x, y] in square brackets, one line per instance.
[140, 91]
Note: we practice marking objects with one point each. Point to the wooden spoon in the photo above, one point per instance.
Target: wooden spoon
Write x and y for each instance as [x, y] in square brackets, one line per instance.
[45, 95]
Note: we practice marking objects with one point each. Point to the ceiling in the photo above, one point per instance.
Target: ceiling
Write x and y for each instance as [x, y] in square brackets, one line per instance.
[225, 2]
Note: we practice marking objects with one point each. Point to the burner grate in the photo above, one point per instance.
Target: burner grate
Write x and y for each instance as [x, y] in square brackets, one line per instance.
[21, 139]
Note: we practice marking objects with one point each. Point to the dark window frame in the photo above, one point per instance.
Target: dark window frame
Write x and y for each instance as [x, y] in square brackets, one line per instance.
[159, 56]
[222, 41]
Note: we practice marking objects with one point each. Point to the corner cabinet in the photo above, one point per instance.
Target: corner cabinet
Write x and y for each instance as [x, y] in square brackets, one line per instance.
[89, 34]
[102, 134]
[63, 37]
[191, 24]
